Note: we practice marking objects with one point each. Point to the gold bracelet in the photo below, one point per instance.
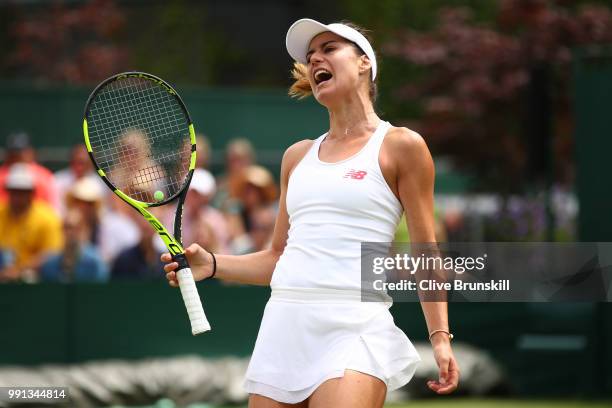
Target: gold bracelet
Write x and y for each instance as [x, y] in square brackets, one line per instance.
[450, 335]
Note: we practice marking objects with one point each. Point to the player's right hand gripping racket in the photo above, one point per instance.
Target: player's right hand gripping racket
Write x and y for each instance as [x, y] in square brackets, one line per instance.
[142, 143]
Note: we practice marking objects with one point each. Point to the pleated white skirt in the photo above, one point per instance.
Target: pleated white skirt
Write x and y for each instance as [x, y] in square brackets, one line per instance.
[308, 336]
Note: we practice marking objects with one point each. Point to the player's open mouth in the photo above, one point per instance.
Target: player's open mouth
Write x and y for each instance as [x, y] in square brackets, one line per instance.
[322, 75]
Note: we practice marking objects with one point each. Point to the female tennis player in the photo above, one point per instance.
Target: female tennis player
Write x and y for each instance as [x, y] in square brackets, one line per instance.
[318, 344]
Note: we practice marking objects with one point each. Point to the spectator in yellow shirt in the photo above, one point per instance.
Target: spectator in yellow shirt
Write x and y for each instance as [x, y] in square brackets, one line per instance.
[30, 228]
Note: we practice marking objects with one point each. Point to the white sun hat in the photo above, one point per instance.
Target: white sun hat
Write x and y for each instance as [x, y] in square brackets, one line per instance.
[302, 32]
[203, 182]
[87, 189]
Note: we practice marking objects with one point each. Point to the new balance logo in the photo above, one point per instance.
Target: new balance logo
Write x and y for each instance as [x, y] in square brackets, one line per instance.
[355, 174]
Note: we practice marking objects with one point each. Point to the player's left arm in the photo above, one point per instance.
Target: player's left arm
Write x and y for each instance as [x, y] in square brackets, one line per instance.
[415, 174]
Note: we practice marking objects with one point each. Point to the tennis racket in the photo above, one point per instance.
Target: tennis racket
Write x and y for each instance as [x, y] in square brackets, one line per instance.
[142, 143]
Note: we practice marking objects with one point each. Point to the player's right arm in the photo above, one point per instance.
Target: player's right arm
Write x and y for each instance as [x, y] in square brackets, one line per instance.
[255, 268]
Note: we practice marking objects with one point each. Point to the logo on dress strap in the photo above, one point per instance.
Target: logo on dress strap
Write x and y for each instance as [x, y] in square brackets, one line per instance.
[355, 174]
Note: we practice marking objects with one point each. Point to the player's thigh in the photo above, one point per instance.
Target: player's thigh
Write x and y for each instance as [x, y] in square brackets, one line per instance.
[354, 390]
[259, 401]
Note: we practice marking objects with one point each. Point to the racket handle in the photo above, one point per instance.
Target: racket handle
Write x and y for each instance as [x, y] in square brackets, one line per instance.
[199, 323]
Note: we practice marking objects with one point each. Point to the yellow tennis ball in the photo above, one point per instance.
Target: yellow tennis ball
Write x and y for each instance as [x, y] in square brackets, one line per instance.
[158, 195]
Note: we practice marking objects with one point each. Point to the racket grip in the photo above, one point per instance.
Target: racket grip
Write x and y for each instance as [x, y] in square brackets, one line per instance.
[191, 297]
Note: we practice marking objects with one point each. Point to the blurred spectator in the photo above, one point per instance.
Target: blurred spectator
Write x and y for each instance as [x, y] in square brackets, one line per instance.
[141, 261]
[202, 152]
[30, 228]
[202, 223]
[19, 150]
[239, 155]
[118, 231]
[135, 173]
[262, 226]
[79, 261]
[80, 166]
[256, 190]
[87, 196]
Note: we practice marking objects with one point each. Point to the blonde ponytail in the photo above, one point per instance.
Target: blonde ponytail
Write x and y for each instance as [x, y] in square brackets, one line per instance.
[301, 87]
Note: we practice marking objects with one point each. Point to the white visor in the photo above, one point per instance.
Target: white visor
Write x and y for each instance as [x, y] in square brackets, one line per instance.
[302, 32]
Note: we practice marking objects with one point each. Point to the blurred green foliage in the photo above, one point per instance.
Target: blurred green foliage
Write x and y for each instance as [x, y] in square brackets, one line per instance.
[383, 18]
[175, 40]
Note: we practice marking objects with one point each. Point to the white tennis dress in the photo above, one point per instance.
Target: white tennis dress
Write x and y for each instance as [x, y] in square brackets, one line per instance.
[315, 325]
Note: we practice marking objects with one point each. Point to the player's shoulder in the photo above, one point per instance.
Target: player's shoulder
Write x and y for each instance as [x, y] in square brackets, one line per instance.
[404, 140]
[299, 147]
[297, 151]
[293, 155]
[408, 150]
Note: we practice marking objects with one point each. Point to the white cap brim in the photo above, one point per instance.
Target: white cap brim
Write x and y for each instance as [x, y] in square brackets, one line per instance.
[301, 33]
[19, 177]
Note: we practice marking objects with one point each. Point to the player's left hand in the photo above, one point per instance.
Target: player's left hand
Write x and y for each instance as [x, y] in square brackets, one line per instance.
[447, 364]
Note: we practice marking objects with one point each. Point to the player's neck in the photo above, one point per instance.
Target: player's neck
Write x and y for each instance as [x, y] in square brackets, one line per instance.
[352, 119]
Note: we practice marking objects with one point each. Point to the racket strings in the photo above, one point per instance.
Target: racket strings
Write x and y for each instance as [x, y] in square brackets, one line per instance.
[140, 137]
